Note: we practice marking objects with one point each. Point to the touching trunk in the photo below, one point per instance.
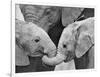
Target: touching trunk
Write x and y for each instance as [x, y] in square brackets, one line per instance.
[49, 47]
[59, 58]
[51, 53]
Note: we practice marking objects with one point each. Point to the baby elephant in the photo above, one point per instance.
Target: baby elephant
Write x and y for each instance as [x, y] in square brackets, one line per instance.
[75, 41]
[31, 40]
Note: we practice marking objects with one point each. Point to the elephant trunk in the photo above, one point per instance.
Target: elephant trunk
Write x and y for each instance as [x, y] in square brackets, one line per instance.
[59, 58]
[50, 49]
[52, 53]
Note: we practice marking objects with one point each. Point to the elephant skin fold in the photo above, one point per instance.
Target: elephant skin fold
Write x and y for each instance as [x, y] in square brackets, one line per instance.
[43, 16]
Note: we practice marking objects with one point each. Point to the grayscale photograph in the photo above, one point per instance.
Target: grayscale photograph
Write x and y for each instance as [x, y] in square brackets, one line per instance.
[53, 38]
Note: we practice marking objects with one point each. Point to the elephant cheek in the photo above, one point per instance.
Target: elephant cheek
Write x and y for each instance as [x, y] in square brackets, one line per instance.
[26, 48]
[37, 52]
[30, 49]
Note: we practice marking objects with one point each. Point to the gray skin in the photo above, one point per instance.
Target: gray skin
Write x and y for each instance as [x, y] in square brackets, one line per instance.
[76, 40]
[43, 16]
[31, 39]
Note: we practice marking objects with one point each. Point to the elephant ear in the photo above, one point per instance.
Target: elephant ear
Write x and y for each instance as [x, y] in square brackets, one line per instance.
[70, 14]
[84, 39]
[18, 13]
[21, 58]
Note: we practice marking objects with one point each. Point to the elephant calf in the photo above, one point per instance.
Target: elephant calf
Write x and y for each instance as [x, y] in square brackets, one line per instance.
[75, 41]
[31, 40]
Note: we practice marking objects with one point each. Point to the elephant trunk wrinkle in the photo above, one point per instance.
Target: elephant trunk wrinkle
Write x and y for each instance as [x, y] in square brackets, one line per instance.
[52, 53]
[54, 60]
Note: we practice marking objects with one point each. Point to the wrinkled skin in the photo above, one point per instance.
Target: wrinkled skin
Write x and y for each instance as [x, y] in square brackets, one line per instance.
[43, 16]
[70, 14]
[32, 40]
[46, 16]
[76, 40]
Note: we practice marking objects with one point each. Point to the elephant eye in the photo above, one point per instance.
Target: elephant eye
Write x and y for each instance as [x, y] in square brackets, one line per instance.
[64, 45]
[36, 40]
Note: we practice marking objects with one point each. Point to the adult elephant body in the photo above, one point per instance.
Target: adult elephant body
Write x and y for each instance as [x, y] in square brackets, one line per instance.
[33, 41]
[76, 40]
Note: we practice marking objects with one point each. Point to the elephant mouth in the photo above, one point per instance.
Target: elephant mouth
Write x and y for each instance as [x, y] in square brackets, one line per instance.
[70, 56]
[38, 53]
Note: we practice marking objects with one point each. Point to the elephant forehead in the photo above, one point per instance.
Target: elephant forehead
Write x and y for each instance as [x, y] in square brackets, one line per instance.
[67, 33]
[33, 29]
[30, 30]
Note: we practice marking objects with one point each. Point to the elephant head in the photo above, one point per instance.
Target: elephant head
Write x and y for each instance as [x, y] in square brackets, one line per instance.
[43, 16]
[76, 40]
[30, 40]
